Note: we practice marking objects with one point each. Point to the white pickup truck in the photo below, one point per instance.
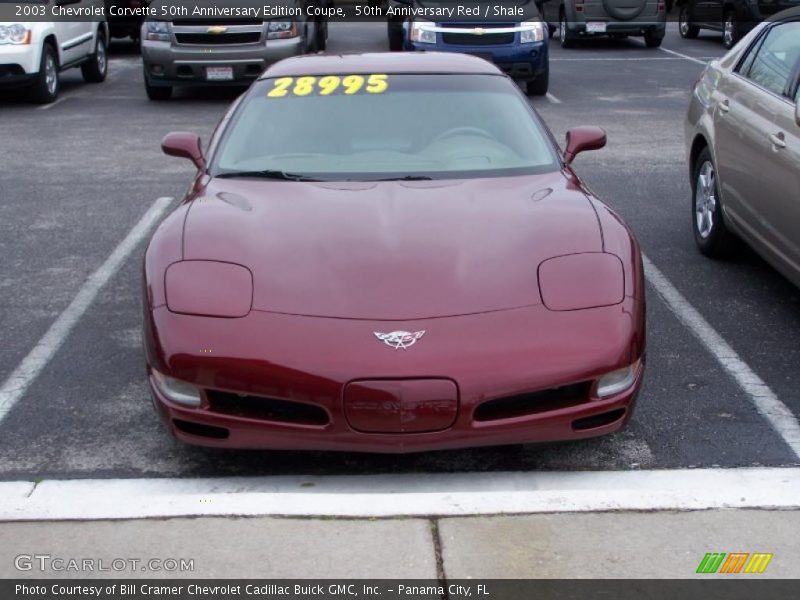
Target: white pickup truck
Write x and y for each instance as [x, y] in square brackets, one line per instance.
[33, 53]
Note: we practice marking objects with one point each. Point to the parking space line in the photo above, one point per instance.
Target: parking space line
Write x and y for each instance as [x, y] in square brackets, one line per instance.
[55, 103]
[684, 56]
[552, 98]
[627, 58]
[21, 378]
[392, 495]
[765, 400]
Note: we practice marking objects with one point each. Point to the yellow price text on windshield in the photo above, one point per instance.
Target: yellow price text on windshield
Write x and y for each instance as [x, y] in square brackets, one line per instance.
[377, 83]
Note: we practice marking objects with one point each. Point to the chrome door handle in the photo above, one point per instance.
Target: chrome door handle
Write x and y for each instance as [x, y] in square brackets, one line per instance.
[777, 140]
[724, 106]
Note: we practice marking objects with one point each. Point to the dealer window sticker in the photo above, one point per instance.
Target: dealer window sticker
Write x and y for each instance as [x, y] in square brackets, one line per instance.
[376, 83]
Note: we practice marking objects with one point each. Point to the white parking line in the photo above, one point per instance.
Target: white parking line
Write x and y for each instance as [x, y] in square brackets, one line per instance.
[552, 98]
[14, 387]
[58, 101]
[684, 56]
[765, 400]
[626, 59]
[414, 494]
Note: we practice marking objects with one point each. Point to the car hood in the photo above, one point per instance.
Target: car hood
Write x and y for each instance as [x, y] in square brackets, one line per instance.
[392, 250]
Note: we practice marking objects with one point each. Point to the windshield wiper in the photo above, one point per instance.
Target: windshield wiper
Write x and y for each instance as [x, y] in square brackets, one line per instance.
[406, 178]
[268, 174]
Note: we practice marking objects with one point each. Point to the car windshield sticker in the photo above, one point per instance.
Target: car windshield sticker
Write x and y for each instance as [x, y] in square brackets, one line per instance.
[377, 83]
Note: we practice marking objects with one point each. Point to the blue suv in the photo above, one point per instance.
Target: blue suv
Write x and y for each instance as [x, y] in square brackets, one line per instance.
[517, 46]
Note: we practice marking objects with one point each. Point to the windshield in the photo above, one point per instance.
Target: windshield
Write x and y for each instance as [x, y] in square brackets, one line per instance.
[366, 127]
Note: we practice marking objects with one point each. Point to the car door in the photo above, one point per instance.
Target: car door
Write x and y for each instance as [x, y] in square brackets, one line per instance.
[708, 11]
[755, 170]
[75, 37]
[781, 204]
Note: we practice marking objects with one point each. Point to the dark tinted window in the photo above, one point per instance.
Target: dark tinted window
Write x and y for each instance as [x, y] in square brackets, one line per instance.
[774, 61]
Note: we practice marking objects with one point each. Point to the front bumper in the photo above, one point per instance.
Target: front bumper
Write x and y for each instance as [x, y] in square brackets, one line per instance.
[521, 61]
[166, 63]
[18, 64]
[310, 362]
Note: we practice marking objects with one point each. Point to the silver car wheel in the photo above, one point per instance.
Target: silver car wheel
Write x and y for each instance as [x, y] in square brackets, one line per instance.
[705, 199]
[100, 56]
[562, 29]
[50, 74]
[683, 25]
[727, 31]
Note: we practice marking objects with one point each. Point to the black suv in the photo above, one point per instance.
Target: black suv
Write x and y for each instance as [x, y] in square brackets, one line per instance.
[734, 18]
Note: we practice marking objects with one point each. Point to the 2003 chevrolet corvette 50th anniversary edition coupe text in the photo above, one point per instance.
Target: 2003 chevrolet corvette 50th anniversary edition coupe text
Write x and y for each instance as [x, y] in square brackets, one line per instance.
[389, 253]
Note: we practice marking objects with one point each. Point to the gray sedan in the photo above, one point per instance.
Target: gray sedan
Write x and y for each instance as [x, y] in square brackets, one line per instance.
[743, 141]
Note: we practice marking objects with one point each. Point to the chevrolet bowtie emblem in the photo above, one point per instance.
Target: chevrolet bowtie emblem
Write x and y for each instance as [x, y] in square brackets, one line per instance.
[217, 29]
[399, 339]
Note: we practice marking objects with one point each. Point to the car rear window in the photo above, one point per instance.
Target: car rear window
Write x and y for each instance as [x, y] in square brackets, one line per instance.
[376, 126]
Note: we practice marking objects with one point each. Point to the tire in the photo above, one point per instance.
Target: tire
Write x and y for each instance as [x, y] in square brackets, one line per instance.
[157, 93]
[538, 86]
[321, 33]
[685, 28]
[566, 38]
[653, 39]
[395, 39]
[712, 236]
[47, 84]
[95, 69]
[731, 30]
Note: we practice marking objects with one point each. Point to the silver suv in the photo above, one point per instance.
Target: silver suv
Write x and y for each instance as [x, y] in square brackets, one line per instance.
[574, 19]
[221, 52]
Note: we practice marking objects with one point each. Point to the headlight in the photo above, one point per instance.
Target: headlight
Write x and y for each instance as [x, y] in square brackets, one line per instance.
[158, 31]
[533, 32]
[618, 381]
[281, 29]
[176, 390]
[15, 33]
[208, 288]
[420, 33]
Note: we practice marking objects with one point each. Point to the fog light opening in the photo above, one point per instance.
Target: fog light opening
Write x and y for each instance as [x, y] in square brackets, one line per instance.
[200, 430]
[601, 420]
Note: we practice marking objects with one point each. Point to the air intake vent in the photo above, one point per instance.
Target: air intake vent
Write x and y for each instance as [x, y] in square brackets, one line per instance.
[267, 409]
[533, 403]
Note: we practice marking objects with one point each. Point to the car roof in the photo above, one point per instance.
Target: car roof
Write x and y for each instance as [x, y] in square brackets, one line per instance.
[381, 62]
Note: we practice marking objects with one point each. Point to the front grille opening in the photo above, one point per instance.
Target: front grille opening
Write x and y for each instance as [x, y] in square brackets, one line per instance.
[266, 409]
[210, 39]
[207, 431]
[601, 420]
[470, 39]
[533, 403]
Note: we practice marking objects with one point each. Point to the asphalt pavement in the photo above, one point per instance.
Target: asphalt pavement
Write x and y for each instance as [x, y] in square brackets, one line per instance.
[79, 174]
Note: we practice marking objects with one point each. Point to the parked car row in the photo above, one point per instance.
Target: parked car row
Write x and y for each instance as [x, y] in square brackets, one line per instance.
[174, 53]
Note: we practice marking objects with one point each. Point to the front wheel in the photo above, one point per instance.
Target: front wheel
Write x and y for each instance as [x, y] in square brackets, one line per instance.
[653, 39]
[685, 27]
[731, 32]
[95, 69]
[538, 86]
[158, 93]
[710, 232]
[47, 83]
[565, 36]
[395, 40]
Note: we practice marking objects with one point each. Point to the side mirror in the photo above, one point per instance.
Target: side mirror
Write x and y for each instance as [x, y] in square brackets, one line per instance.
[184, 145]
[580, 139]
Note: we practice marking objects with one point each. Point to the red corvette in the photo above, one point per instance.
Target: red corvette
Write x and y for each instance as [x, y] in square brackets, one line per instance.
[390, 253]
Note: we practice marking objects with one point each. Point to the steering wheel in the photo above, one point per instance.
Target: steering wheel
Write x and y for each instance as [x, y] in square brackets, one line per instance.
[464, 130]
